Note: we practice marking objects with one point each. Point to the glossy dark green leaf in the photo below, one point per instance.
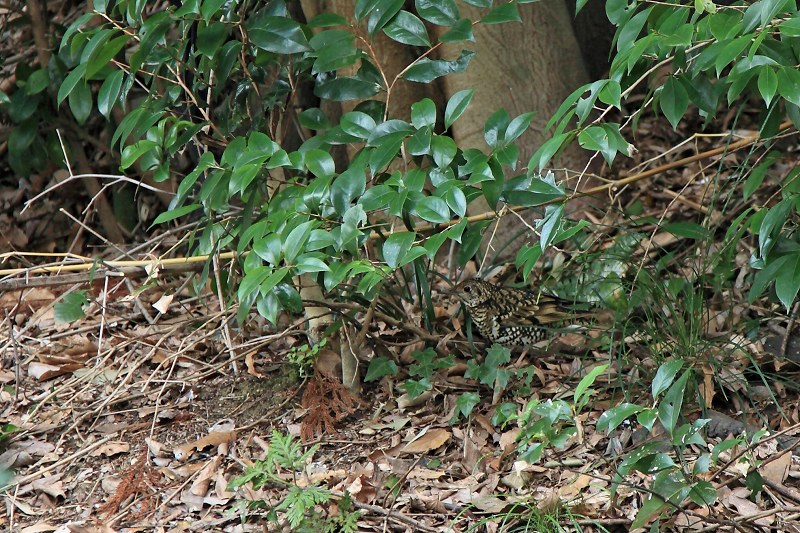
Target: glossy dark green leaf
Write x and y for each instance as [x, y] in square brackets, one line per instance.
[423, 113]
[406, 28]
[71, 81]
[308, 263]
[456, 106]
[178, 212]
[280, 35]
[384, 153]
[347, 186]
[376, 197]
[211, 37]
[109, 92]
[80, 102]
[324, 20]
[209, 8]
[426, 70]
[495, 128]
[615, 416]
[420, 142]
[443, 150]
[357, 124]
[787, 282]
[789, 84]
[382, 14]
[674, 101]
[440, 12]
[346, 88]
[517, 127]
[547, 150]
[396, 246]
[38, 81]
[460, 31]
[433, 209]
[319, 163]
[502, 13]
[101, 56]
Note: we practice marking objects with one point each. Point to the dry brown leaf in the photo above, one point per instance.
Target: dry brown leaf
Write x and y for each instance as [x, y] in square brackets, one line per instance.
[44, 372]
[216, 438]
[111, 448]
[777, 469]
[202, 480]
[428, 440]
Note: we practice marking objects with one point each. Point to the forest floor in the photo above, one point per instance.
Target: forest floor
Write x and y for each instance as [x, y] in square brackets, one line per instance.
[138, 416]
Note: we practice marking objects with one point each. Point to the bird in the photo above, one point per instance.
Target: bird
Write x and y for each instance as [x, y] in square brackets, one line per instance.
[515, 317]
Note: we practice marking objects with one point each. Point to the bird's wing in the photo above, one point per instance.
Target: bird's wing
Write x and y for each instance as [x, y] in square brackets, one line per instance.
[547, 310]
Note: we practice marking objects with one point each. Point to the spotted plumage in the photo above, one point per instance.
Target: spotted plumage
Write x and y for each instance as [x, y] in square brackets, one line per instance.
[515, 317]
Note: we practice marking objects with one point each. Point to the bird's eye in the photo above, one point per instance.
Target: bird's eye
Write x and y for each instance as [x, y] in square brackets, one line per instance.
[467, 288]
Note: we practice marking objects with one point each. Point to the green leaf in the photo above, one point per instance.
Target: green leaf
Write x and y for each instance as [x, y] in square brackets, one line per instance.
[71, 307]
[324, 20]
[649, 510]
[426, 70]
[133, 152]
[546, 151]
[440, 12]
[731, 51]
[396, 247]
[465, 403]
[443, 150]
[420, 142]
[615, 416]
[109, 92]
[456, 106]
[178, 212]
[101, 56]
[689, 230]
[208, 8]
[787, 282]
[517, 127]
[346, 88]
[433, 209]
[669, 410]
[456, 201]
[596, 138]
[407, 29]
[674, 101]
[38, 81]
[348, 185]
[423, 113]
[788, 84]
[664, 376]
[495, 127]
[80, 102]
[210, 38]
[384, 11]
[379, 367]
[308, 263]
[295, 242]
[71, 81]
[502, 13]
[384, 154]
[319, 163]
[586, 382]
[357, 124]
[280, 35]
[460, 31]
